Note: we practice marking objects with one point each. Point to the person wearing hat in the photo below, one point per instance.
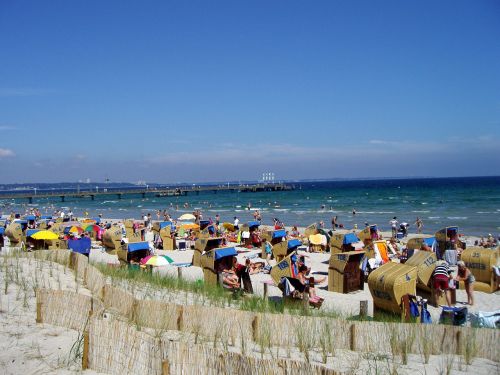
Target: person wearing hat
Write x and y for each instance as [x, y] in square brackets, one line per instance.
[465, 275]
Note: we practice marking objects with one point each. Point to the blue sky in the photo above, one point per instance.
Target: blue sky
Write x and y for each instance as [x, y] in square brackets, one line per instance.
[225, 90]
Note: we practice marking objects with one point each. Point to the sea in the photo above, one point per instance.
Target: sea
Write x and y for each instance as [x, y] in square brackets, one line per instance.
[471, 203]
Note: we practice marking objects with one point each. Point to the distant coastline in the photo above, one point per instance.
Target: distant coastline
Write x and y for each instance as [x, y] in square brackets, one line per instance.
[63, 185]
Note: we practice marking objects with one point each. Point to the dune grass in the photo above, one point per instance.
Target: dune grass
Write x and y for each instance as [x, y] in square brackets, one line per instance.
[211, 294]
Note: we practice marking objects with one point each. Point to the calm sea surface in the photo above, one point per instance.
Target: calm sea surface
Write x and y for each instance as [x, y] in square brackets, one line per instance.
[471, 203]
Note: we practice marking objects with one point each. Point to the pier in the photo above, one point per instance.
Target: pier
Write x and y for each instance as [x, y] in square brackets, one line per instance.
[146, 191]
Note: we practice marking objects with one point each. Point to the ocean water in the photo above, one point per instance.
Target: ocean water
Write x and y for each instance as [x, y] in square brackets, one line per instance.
[472, 203]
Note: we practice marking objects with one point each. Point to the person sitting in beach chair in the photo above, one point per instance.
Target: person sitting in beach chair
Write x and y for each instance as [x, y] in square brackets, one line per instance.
[256, 240]
[230, 279]
[303, 287]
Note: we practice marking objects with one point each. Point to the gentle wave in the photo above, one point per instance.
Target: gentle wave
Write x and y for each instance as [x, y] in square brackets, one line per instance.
[457, 217]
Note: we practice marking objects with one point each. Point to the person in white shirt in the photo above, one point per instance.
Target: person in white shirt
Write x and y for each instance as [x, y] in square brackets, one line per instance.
[236, 223]
[394, 226]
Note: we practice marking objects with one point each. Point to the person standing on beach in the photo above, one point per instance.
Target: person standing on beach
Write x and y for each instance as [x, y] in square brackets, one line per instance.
[334, 222]
[465, 275]
[419, 225]
[394, 226]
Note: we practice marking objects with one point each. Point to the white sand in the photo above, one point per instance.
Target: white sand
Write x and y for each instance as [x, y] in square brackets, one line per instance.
[25, 346]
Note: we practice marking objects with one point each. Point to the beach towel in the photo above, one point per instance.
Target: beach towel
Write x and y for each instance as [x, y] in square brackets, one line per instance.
[483, 319]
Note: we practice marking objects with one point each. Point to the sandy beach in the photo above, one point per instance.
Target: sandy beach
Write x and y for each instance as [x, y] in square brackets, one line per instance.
[28, 347]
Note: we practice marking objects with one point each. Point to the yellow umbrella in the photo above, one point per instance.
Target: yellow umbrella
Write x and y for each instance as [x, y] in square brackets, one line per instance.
[45, 235]
[228, 226]
[316, 239]
[190, 226]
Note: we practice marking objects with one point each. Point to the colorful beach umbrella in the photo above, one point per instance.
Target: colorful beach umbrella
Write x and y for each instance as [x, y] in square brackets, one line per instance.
[45, 235]
[156, 260]
[188, 226]
[92, 227]
[187, 217]
[73, 229]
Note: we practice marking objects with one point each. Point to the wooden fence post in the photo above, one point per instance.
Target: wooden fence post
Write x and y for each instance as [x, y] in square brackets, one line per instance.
[165, 367]
[363, 309]
[459, 343]
[265, 291]
[85, 355]
[179, 273]
[353, 337]
[180, 318]
[255, 328]
[39, 312]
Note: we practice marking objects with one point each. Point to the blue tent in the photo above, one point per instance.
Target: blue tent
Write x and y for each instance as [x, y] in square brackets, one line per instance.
[279, 233]
[46, 217]
[31, 217]
[81, 246]
[136, 246]
[253, 224]
[294, 243]
[225, 252]
[350, 238]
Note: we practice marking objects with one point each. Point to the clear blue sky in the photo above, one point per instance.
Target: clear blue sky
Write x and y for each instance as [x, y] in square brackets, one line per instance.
[168, 91]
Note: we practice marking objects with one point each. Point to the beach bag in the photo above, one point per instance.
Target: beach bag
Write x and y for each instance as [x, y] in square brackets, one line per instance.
[425, 316]
[456, 316]
[414, 309]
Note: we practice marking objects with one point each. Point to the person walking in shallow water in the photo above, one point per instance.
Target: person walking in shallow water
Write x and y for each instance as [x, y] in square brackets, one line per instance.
[419, 225]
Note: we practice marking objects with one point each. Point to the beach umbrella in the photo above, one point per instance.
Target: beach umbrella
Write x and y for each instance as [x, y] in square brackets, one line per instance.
[228, 226]
[92, 227]
[317, 239]
[156, 260]
[45, 235]
[73, 229]
[187, 217]
[188, 226]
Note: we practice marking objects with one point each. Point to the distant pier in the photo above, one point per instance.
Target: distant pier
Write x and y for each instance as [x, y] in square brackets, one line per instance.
[147, 191]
